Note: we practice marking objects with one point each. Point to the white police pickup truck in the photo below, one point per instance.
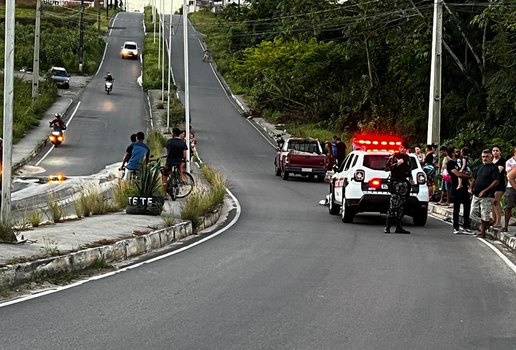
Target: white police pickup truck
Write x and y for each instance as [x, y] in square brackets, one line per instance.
[361, 183]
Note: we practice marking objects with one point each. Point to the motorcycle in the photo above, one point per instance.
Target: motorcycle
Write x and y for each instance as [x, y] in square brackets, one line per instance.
[108, 86]
[56, 135]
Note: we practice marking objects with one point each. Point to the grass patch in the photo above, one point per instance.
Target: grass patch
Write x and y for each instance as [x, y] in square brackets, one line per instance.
[122, 190]
[34, 218]
[156, 142]
[176, 113]
[7, 233]
[204, 201]
[168, 220]
[50, 247]
[92, 202]
[99, 264]
[56, 211]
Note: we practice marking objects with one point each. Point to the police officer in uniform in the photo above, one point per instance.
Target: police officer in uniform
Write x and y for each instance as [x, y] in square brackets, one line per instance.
[399, 166]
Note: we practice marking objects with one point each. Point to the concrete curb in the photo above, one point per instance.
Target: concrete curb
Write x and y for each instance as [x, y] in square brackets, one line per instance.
[16, 274]
[447, 215]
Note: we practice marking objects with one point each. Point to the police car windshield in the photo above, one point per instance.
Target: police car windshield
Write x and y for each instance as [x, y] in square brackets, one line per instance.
[378, 161]
[130, 46]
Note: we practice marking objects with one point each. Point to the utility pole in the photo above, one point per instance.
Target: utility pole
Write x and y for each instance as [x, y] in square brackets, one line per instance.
[434, 101]
[154, 21]
[106, 2]
[81, 37]
[187, 81]
[98, 16]
[159, 38]
[169, 61]
[163, 51]
[8, 110]
[35, 61]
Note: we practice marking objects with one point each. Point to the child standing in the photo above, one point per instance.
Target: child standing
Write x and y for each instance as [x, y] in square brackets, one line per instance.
[463, 164]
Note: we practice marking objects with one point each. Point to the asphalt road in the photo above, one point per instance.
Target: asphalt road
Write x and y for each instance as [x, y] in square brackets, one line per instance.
[287, 275]
[99, 132]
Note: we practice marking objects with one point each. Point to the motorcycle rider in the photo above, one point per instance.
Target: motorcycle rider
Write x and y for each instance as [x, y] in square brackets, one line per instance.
[108, 77]
[58, 121]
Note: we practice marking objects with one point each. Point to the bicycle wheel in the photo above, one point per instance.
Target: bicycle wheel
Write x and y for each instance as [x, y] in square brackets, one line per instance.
[185, 185]
[172, 187]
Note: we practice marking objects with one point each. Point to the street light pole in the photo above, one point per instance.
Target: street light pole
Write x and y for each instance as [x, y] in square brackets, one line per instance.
[8, 110]
[35, 61]
[169, 61]
[163, 52]
[434, 101]
[187, 82]
[81, 37]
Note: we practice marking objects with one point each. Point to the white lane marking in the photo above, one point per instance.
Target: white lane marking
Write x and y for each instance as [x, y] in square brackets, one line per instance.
[127, 268]
[51, 148]
[105, 47]
[503, 257]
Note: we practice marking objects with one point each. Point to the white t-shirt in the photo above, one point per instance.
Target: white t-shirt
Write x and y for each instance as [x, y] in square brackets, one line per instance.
[509, 164]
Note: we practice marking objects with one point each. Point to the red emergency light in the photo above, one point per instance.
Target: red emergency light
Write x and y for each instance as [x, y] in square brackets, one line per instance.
[376, 142]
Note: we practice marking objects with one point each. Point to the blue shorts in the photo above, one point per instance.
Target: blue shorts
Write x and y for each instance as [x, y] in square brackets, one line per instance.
[446, 186]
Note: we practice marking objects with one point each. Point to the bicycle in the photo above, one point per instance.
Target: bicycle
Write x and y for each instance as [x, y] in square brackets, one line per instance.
[178, 185]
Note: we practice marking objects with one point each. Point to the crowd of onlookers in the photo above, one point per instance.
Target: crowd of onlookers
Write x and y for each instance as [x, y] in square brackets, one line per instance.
[451, 182]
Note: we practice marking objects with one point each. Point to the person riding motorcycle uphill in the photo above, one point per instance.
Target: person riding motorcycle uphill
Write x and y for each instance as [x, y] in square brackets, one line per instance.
[58, 121]
[108, 77]
[399, 166]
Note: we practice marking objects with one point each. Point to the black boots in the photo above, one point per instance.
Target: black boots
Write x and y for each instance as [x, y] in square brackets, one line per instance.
[399, 229]
[387, 228]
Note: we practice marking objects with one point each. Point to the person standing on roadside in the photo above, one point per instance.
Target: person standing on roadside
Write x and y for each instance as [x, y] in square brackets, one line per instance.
[176, 155]
[419, 155]
[430, 170]
[445, 183]
[399, 166]
[341, 151]
[483, 187]
[140, 153]
[460, 194]
[499, 161]
[510, 191]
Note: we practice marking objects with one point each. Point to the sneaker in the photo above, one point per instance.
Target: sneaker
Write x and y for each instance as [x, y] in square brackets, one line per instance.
[504, 229]
[467, 231]
[456, 232]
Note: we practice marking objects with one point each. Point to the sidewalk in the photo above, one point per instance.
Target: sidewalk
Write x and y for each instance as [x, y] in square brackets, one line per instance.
[75, 244]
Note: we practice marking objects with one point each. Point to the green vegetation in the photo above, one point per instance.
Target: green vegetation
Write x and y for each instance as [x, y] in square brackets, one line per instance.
[55, 209]
[151, 71]
[49, 247]
[59, 46]
[203, 201]
[365, 66]
[93, 202]
[156, 142]
[7, 233]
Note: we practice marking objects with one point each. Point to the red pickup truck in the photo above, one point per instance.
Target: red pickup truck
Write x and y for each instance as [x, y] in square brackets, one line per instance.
[300, 156]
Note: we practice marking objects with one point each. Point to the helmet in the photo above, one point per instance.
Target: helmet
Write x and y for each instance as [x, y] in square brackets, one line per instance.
[57, 115]
[108, 74]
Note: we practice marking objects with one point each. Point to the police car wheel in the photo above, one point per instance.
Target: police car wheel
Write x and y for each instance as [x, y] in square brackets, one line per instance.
[333, 209]
[420, 217]
[347, 213]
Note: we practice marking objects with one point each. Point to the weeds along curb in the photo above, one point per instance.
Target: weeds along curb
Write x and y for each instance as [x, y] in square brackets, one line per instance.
[16, 274]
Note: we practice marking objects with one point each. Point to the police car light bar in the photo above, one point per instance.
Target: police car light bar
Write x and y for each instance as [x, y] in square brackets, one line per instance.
[376, 142]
